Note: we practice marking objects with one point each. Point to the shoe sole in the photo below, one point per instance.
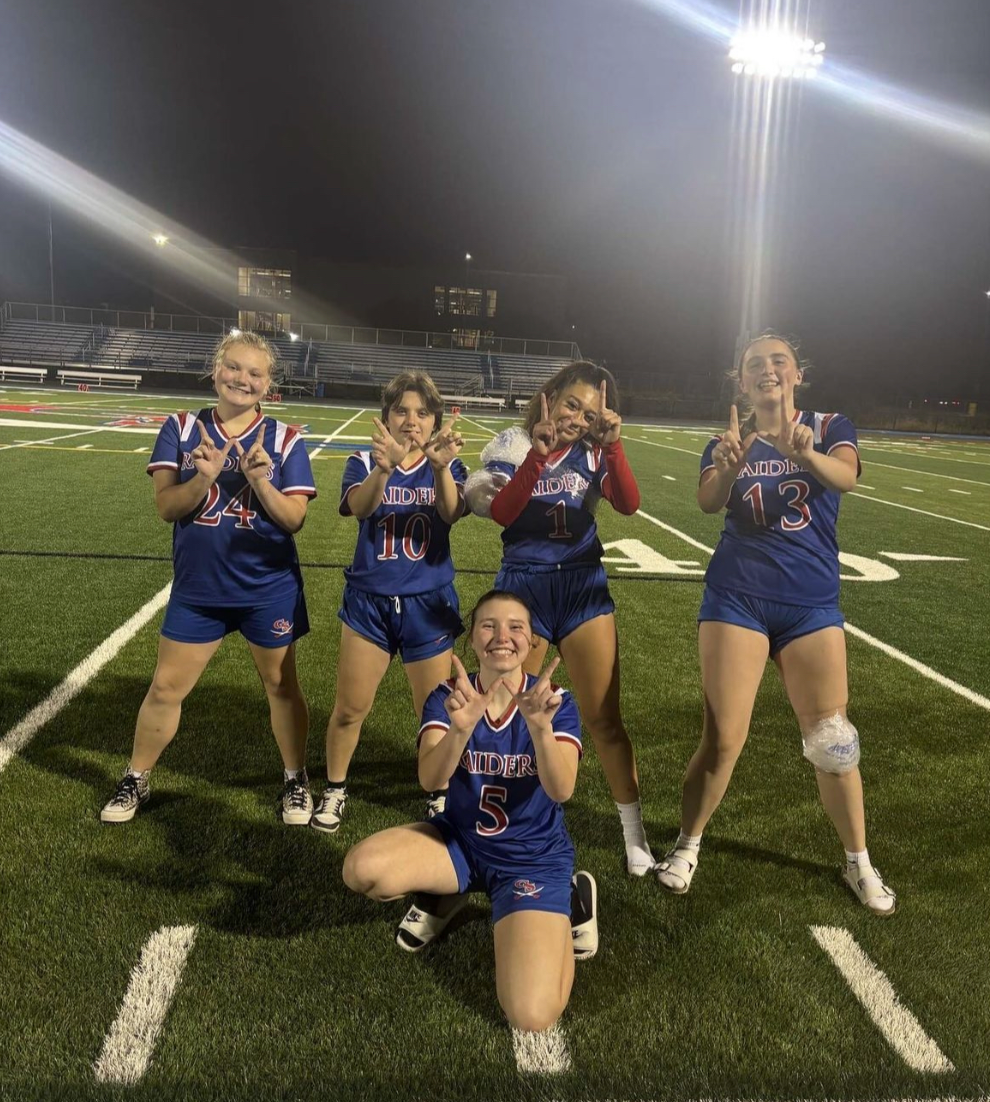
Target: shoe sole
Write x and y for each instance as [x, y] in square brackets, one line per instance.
[324, 829]
[115, 818]
[295, 818]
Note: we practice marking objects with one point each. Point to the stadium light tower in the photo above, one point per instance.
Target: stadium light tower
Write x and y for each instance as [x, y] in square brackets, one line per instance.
[772, 52]
[160, 239]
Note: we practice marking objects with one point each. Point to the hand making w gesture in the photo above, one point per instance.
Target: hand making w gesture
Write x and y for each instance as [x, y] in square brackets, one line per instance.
[545, 431]
[387, 452]
[206, 456]
[443, 449]
[607, 422]
[729, 454]
[794, 441]
[539, 703]
[465, 705]
[255, 463]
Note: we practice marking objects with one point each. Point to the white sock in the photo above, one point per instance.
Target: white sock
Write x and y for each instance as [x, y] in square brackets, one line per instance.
[141, 774]
[687, 841]
[860, 858]
[639, 859]
[296, 774]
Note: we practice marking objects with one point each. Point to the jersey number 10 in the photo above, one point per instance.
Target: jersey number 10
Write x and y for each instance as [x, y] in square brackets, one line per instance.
[415, 540]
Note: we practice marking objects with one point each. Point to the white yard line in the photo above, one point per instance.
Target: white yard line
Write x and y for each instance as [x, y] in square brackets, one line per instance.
[130, 1043]
[886, 648]
[669, 447]
[50, 440]
[920, 667]
[340, 429]
[924, 512]
[913, 489]
[863, 486]
[478, 424]
[900, 1028]
[543, 1053]
[926, 474]
[954, 491]
[18, 737]
[669, 477]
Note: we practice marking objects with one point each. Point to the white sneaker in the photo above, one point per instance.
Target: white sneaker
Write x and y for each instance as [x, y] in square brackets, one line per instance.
[419, 927]
[329, 811]
[296, 805]
[584, 916]
[132, 791]
[675, 871]
[869, 888]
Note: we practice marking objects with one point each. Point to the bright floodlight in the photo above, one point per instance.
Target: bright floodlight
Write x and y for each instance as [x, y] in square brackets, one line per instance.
[776, 54]
[293, 336]
[467, 256]
[234, 331]
[160, 239]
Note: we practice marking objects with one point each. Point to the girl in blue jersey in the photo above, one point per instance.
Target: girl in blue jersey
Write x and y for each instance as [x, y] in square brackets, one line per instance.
[542, 483]
[399, 597]
[772, 589]
[509, 745]
[235, 486]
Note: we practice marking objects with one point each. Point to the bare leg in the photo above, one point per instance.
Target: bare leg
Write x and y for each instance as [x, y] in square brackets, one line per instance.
[180, 666]
[534, 968]
[732, 663]
[813, 669]
[289, 714]
[360, 669]
[401, 860]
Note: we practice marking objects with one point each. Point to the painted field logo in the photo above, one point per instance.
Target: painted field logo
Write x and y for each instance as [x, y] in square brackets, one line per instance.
[281, 627]
[136, 421]
[526, 889]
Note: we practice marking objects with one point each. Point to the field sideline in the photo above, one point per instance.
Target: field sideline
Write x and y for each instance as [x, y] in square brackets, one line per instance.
[205, 951]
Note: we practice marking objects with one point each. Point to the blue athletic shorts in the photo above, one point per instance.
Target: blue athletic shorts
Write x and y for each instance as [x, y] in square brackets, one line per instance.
[274, 625]
[416, 628]
[539, 885]
[780, 623]
[560, 600]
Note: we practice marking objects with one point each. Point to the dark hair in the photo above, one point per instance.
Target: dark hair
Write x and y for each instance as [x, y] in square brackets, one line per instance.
[744, 405]
[580, 371]
[419, 382]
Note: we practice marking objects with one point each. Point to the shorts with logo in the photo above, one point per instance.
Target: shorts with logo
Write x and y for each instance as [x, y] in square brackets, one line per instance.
[560, 598]
[417, 627]
[780, 623]
[543, 884]
[273, 625]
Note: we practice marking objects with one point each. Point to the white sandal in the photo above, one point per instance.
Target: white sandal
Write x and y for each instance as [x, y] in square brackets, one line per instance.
[869, 888]
[675, 871]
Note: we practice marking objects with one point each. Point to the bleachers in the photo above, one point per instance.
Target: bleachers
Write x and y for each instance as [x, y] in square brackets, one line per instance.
[304, 364]
[38, 342]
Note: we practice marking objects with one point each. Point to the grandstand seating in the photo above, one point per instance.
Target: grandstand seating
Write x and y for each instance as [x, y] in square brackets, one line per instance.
[304, 363]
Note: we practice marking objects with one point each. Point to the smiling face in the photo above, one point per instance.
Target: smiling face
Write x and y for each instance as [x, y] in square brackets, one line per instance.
[573, 411]
[501, 637]
[242, 377]
[410, 419]
[768, 370]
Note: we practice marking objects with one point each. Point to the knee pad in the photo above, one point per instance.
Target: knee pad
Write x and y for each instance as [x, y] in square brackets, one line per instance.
[832, 745]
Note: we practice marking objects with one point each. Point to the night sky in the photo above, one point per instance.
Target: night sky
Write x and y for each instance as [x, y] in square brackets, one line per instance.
[587, 138]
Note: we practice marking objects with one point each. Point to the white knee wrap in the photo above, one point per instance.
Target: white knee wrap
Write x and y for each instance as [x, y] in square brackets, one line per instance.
[832, 745]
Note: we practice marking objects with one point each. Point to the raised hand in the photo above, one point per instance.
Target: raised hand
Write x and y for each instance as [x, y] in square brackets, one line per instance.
[207, 458]
[794, 441]
[255, 463]
[386, 451]
[539, 703]
[445, 446]
[544, 431]
[607, 423]
[729, 454]
[465, 705]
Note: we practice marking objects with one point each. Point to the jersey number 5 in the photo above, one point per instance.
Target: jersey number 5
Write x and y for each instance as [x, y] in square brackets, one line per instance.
[492, 798]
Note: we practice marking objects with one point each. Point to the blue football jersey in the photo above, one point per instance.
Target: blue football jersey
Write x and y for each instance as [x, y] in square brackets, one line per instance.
[495, 796]
[557, 525]
[779, 537]
[403, 548]
[228, 551]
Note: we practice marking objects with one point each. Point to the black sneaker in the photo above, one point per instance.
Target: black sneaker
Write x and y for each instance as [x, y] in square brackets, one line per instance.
[296, 805]
[132, 791]
[436, 802]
